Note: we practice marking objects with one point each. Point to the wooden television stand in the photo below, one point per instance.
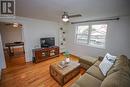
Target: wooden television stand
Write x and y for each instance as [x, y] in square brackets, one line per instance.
[42, 54]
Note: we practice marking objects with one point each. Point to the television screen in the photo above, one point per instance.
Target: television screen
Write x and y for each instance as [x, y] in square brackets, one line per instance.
[47, 42]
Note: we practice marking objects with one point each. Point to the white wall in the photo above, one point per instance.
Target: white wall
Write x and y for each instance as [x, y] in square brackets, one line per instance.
[61, 36]
[129, 34]
[10, 34]
[33, 30]
[2, 59]
[116, 40]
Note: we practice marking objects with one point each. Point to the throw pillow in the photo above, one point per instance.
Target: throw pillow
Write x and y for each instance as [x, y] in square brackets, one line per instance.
[107, 63]
[110, 57]
[117, 79]
[121, 63]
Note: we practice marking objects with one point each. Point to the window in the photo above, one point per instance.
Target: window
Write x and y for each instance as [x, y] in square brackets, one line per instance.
[82, 34]
[92, 35]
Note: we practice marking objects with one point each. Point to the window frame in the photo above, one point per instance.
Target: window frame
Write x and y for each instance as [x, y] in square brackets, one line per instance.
[89, 35]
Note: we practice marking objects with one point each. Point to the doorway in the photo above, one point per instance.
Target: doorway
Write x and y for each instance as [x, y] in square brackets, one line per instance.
[13, 44]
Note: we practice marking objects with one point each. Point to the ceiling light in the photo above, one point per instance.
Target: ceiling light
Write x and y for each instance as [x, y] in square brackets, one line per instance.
[65, 17]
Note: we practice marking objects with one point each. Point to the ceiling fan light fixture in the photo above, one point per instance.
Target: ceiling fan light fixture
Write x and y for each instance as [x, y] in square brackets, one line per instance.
[15, 24]
[65, 17]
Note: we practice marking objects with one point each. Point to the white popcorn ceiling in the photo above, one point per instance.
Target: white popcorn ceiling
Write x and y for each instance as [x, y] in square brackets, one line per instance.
[53, 9]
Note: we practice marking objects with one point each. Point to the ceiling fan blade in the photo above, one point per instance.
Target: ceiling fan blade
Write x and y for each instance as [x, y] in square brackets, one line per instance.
[8, 24]
[77, 15]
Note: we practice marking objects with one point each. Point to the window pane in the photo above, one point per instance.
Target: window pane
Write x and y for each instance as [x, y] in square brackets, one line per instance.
[82, 29]
[82, 38]
[82, 34]
[98, 35]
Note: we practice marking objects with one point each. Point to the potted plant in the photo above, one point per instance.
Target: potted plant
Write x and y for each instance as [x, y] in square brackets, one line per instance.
[66, 55]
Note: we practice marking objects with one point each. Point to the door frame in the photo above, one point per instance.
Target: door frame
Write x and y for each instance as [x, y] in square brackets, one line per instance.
[3, 63]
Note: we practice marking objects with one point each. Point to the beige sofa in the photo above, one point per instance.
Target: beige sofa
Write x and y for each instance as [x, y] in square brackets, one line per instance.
[117, 76]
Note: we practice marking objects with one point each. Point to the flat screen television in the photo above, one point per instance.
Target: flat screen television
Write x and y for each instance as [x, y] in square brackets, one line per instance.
[47, 42]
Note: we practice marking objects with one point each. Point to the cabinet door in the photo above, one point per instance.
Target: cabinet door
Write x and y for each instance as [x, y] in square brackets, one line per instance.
[41, 55]
[44, 54]
[52, 52]
[56, 51]
[38, 56]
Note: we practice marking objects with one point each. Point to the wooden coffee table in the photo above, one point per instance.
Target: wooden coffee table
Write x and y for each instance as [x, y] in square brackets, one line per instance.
[63, 75]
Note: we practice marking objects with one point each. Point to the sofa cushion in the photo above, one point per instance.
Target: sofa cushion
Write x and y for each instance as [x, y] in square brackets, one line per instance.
[95, 71]
[122, 63]
[75, 85]
[117, 79]
[87, 81]
[97, 63]
[88, 60]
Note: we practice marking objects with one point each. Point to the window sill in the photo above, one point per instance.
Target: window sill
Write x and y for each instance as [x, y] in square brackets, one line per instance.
[96, 47]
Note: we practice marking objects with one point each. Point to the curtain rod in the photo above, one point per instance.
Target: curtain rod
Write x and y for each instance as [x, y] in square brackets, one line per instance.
[107, 19]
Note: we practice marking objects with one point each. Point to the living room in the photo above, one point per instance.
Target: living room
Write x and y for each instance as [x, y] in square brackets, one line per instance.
[43, 19]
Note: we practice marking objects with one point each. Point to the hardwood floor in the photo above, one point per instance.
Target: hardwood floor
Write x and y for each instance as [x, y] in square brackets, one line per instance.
[17, 59]
[33, 75]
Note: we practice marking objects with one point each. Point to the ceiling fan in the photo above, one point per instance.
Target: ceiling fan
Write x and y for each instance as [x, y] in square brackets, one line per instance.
[65, 16]
[14, 24]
